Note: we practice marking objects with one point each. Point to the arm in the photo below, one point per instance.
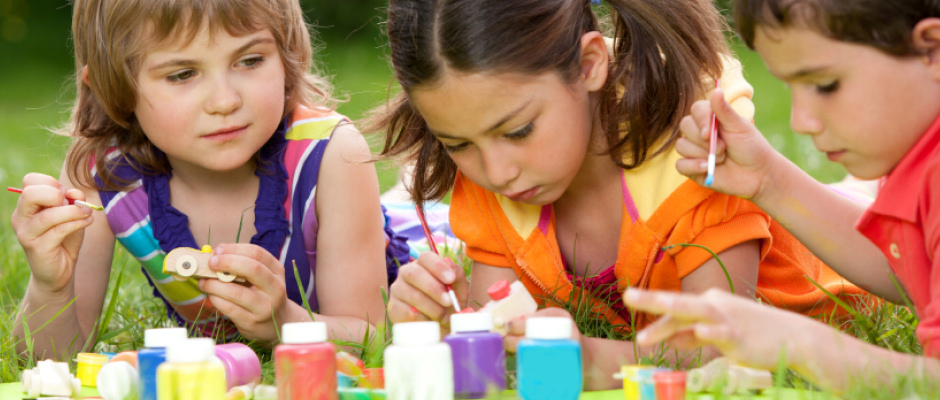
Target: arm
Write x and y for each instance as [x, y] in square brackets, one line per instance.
[59, 240]
[350, 258]
[750, 168]
[757, 336]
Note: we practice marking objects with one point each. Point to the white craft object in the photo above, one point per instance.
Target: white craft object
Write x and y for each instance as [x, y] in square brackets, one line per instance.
[186, 262]
[505, 307]
[50, 378]
[721, 374]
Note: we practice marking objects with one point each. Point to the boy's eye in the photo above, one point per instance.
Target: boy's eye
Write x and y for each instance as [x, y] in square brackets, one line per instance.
[521, 133]
[181, 76]
[828, 88]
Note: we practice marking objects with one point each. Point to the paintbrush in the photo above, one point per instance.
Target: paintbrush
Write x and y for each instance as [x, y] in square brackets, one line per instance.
[427, 234]
[712, 147]
[71, 201]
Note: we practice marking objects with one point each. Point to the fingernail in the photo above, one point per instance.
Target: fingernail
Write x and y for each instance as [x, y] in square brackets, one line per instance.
[703, 165]
[445, 299]
[632, 295]
[640, 337]
[413, 310]
[213, 261]
[449, 277]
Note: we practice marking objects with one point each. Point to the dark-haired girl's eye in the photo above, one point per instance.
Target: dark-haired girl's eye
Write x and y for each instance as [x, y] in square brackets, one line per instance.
[521, 133]
[454, 148]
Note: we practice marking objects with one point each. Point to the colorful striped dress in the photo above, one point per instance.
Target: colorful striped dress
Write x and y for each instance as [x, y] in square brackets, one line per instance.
[148, 227]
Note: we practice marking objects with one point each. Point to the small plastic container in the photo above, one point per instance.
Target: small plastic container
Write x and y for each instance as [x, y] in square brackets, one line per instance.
[88, 366]
[647, 385]
[631, 385]
[373, 378]
[152, 355]
[241, 364]
[670, 385]
[548, 361]
[129, 357]
[417, 365]
[478, 353]
[190, 373]
[118, 380]
[305, 363]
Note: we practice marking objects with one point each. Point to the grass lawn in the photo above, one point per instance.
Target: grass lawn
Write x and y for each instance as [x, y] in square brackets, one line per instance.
[35, 92]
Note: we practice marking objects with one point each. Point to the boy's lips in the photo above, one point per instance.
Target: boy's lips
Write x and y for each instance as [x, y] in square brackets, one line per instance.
[835, 155]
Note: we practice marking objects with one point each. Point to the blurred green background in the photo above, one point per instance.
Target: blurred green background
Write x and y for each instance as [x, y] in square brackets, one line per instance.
[36, 85]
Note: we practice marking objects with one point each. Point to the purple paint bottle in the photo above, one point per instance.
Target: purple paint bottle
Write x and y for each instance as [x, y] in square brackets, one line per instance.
[478, 355]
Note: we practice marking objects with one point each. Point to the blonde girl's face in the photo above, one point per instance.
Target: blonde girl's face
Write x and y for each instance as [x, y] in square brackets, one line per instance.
[521, 136]
[863, 108]
[212, 103]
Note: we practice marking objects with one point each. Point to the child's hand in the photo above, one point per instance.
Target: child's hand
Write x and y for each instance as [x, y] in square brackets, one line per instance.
[51, 235]
[517, 327]
[744, 156]
[741, 329]
[256, 309]
[420, 294]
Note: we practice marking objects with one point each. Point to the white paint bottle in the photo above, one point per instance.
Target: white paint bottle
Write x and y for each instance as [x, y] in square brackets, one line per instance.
[417, 365]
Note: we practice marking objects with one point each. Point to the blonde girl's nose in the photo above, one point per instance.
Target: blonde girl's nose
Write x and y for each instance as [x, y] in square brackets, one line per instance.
[223, 97]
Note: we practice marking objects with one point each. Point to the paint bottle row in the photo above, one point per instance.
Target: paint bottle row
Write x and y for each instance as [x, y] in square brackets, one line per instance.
[471, 360]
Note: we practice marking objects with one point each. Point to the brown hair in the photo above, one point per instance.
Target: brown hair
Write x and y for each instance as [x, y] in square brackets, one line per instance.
[883, 24]
[111, 38]
[643, 94]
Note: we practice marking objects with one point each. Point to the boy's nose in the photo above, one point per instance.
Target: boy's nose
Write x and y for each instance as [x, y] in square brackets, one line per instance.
[803, 119]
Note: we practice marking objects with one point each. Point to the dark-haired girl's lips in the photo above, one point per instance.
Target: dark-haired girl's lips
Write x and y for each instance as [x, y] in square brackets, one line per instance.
[522, 196]
[835, 155]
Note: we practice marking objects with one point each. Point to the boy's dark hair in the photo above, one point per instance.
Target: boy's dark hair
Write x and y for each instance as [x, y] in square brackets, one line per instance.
[662, 49]
[883, 24]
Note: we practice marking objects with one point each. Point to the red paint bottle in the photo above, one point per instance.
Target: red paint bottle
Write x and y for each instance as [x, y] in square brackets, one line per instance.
[305, 363]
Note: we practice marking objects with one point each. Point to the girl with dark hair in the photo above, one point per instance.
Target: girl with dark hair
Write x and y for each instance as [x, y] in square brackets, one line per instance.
[560, 149]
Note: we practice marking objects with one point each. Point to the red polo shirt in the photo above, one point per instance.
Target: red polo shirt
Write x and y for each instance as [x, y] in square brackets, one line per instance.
[904, 222]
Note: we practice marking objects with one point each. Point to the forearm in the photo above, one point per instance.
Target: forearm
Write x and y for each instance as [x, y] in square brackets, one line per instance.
[824, 221]
[837, 361]
[53, 325]
[338, 327]
[603, 357]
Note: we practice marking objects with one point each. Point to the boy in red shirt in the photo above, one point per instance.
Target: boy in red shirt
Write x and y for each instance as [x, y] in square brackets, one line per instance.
[865, 80]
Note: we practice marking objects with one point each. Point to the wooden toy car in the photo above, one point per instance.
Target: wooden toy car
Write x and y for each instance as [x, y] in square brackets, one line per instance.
[186, 262]
[722, 375]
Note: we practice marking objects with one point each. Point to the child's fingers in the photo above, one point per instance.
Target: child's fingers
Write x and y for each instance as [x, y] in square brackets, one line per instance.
[728, 118]
[439, 267]
[251, 262]
[425, 274]
[689, 150]
[51, 225]
[404, 291]
[511, 342]
[677, 305]
[399, 311]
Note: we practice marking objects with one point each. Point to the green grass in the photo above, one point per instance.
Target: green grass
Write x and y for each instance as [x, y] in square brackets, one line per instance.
[35, 92]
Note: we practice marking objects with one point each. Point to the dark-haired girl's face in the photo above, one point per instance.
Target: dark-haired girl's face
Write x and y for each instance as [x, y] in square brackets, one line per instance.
[525, 137]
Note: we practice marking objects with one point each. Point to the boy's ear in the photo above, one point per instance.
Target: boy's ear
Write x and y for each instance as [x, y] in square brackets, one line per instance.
[926, 39]
[594, 60]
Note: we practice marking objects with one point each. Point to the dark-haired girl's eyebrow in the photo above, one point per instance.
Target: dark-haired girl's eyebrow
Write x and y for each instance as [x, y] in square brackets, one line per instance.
[803, 73]
[502, 121]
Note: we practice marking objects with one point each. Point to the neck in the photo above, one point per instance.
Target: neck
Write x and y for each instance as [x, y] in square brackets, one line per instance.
[201, 180]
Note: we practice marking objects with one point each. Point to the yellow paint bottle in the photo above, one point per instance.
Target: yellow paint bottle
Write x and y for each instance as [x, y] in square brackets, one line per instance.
[190, 373]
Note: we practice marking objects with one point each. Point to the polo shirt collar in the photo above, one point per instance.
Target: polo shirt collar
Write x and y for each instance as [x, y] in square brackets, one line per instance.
[898, 194]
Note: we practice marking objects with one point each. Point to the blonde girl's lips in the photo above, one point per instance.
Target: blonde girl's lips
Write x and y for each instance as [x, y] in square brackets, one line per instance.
[226, 133]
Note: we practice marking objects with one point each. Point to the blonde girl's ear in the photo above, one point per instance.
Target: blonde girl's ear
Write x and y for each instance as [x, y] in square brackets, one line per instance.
[594, 60]
[926, 40]
[85, 75]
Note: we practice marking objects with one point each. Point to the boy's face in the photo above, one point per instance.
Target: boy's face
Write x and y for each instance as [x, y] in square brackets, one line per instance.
[864, 108]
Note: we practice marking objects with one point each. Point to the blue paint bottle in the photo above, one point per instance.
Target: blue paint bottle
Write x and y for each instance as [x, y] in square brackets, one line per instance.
[152, 355]
[548, 363]
[478, 354]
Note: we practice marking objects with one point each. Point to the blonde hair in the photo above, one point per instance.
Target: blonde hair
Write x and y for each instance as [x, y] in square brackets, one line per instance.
[111, 38]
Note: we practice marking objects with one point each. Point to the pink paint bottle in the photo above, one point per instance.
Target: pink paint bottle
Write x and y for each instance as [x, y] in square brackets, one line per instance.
[241, 363]
[305, 363]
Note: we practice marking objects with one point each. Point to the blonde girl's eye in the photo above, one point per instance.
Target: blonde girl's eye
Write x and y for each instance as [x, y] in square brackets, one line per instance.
[181, 76]
[521, 133]
[251, 62]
